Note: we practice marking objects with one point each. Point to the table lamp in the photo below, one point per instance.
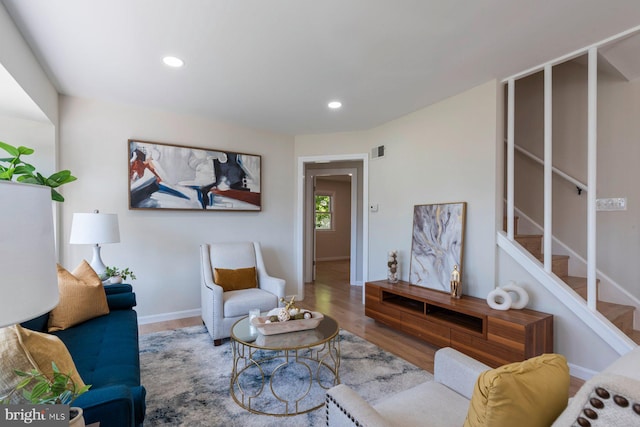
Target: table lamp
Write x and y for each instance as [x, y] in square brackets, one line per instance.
[28, 279]
[93, 229]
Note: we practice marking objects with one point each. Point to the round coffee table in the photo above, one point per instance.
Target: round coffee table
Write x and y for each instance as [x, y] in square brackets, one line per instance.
[284, 374]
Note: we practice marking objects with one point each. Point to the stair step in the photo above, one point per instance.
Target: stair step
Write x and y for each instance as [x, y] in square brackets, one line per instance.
[618, 314]
[559, 264]
[579, 284]
[531, 242]
[635, 336]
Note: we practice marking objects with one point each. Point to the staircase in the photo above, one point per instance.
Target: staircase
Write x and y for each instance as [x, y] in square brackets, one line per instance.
[618, 314]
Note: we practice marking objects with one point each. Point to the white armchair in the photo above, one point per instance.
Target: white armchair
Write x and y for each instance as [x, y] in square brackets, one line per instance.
[220, 310]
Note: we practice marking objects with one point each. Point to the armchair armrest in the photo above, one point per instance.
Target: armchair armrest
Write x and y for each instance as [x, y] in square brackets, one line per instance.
[271, 284]
[346, 408]
[457, 371]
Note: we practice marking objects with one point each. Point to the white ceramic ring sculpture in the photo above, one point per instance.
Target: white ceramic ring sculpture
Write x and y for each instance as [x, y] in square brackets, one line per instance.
[499, 299]
[522, 298]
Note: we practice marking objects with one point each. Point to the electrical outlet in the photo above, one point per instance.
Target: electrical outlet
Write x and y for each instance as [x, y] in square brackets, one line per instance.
[612, 204]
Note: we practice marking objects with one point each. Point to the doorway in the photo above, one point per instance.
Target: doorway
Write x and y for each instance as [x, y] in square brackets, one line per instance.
[310, 167]
[333, 220]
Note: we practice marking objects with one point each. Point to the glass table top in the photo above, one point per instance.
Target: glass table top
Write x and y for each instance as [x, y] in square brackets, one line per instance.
[245, 333]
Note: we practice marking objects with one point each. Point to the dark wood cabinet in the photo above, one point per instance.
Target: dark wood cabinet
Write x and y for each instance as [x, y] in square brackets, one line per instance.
[468, 324]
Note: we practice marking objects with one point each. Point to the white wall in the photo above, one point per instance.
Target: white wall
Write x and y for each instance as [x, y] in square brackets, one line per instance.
[33, 134]
[161, 247]
[16, 57]
[442, 153]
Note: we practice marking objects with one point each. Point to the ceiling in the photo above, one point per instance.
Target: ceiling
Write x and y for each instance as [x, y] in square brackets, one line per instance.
[275, 64]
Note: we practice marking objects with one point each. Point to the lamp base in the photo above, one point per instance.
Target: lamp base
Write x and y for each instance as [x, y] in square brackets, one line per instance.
[97, 264]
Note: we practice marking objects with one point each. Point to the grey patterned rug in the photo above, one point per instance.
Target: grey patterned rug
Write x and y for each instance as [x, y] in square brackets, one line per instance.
[187, 380]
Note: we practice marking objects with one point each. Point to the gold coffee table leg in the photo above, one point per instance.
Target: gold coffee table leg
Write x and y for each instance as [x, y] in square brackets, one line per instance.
[312, 359]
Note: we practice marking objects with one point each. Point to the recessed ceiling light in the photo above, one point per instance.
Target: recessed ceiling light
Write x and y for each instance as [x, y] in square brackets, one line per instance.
[334, 105]
[172, 61]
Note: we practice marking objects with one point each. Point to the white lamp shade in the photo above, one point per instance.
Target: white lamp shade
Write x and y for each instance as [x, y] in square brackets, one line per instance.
[28, 277]
[94, 228]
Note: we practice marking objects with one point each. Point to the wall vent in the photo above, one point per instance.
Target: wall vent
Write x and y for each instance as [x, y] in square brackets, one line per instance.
[377, 152]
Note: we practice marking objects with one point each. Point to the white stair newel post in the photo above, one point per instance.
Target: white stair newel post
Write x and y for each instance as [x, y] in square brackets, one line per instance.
[548, 168]
[510, 156]
[592, 141]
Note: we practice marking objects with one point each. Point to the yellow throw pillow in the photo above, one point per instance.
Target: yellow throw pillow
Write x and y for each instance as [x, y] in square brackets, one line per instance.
[24, 350]
[82, 297]
[532, 393]
[234, 280]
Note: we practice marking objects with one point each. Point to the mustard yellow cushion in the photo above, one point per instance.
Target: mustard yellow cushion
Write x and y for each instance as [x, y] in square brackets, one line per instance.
[234, 280]
[82, 297]
[532, 393]
[24, 350]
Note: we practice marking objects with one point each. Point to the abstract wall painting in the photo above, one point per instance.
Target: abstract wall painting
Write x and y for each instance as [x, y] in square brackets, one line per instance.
[437, 244]
[165, 176]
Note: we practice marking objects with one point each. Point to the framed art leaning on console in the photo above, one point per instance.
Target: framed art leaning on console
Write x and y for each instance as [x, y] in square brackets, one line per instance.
[166, 176]
[437, 243]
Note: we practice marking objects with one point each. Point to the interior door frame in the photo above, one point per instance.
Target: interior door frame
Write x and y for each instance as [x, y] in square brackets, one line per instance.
[299, 234]
[309, 229]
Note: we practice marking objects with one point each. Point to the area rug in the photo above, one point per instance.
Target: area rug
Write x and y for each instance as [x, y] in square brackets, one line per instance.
[187, 380]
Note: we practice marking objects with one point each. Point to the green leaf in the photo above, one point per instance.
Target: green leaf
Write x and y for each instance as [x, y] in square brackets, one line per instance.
[25, 151]
[38, 390]
[6, 175]
[61, 176]
[56, 197]
[30, 179]
[24, 169]
[83, 389]
[9, 149]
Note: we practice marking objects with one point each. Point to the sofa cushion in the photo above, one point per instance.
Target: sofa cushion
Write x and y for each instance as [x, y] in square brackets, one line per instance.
[82, 297]
[238, 303]
[105, 350]
[414, 406]
[525, 394]
[23, 349]
[235, 280]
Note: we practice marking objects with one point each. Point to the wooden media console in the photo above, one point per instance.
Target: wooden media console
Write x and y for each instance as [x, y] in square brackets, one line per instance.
[468, 324]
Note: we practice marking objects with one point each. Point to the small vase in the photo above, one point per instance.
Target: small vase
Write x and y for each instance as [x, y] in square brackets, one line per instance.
[393, 271]
[115, 279]
[78, 420]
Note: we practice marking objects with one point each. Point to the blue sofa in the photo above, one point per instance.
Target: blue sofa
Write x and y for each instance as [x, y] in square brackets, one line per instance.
[106, 354]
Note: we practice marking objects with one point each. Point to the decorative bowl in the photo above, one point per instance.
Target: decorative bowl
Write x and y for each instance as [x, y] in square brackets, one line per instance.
[274, 328]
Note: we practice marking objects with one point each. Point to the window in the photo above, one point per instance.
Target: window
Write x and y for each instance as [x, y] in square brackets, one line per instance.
[324, 211]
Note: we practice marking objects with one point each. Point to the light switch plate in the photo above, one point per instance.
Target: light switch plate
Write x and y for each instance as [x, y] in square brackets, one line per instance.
[612, 204]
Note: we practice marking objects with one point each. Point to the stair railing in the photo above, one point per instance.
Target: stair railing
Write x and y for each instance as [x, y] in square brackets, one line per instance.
[549, 169]
[579, 185]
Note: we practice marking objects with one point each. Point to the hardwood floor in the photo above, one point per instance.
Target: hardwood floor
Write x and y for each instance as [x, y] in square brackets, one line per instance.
[332, 294]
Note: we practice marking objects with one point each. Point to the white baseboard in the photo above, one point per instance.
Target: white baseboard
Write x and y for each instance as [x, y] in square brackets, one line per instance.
[155, 318]
[580, 372]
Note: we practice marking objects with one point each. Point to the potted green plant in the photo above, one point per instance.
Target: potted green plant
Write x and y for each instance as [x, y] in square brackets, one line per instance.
[60, 389]
[115, 275]
[15, 168]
